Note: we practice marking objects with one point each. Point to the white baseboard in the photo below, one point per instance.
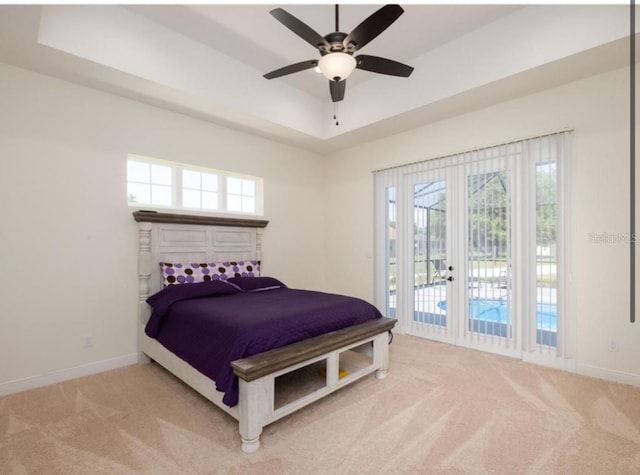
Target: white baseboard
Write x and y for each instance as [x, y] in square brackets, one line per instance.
[38, 381]
[608, 374]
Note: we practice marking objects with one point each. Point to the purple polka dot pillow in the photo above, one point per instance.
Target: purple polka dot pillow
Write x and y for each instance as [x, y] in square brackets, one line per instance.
[173, 274]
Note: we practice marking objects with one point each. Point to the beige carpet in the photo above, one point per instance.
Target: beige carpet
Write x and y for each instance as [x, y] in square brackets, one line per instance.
[442, 410]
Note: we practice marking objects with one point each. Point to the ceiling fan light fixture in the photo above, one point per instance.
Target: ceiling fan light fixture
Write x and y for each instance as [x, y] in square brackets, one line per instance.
[337, 66]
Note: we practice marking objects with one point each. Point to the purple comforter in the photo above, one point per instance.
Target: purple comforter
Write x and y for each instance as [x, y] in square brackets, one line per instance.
[209, 326]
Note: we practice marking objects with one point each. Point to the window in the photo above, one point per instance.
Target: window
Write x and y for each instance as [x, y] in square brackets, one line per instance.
[241, 195]
[149, 183]
[162, 184]
[199, 190]
[546, 250]
[391, 249]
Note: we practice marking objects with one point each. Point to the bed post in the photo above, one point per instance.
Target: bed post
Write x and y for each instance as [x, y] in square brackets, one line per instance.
[255, 405]
[381, 354]
[144, 276]
[259, 232]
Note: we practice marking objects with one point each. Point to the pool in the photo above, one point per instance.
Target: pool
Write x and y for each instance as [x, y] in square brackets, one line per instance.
[495, 311]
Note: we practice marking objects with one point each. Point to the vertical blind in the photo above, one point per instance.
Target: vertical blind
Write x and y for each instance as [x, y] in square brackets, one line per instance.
[505, 205]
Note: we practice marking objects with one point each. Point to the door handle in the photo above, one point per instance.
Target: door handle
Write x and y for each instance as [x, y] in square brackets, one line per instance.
[450, 279]
[450, 268]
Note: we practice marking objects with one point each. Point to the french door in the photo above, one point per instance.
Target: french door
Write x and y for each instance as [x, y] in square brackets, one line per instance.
[430, 233]
[460, 247]
[471, 248]
[487, 248]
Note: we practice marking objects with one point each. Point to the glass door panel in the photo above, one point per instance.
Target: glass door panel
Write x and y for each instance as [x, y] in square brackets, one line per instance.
[546, 255]
[488, 222]
[392, 252]
[430, 252]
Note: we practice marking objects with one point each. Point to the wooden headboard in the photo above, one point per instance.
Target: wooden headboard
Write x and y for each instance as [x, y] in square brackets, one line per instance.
[168, 237]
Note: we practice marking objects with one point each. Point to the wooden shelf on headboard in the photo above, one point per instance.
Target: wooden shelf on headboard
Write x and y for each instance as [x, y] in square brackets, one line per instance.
[174, 218]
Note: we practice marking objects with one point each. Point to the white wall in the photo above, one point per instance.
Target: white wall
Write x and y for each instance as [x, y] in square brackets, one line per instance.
[598, 109]
[68, 238]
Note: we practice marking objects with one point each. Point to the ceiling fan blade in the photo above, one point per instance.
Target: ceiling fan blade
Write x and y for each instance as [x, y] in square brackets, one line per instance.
[337, 90]
[376, 64]
[372, 26]
[292, 68]
[299, 28]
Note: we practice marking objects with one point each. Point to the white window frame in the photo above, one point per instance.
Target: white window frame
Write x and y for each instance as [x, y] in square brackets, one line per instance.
[177, 188]
[200, 189]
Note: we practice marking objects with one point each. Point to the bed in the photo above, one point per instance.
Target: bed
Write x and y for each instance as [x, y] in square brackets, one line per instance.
[271, 379]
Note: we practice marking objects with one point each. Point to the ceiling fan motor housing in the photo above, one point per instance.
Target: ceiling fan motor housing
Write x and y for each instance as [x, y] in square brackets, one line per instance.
[336, 44]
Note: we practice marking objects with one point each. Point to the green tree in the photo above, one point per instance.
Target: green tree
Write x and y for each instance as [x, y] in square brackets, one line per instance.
[488, 218]
[546, 209]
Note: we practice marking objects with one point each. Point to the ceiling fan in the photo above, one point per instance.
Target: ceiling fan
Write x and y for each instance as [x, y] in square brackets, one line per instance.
[336, 49]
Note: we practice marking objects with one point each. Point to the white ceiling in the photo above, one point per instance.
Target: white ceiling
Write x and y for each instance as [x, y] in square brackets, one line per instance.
[207, 61]
[250, 34]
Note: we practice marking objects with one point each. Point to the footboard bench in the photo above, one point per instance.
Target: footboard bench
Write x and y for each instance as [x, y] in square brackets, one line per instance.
[257, 374]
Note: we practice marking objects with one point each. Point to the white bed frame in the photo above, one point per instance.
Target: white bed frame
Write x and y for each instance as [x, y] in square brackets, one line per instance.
[164, 237]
